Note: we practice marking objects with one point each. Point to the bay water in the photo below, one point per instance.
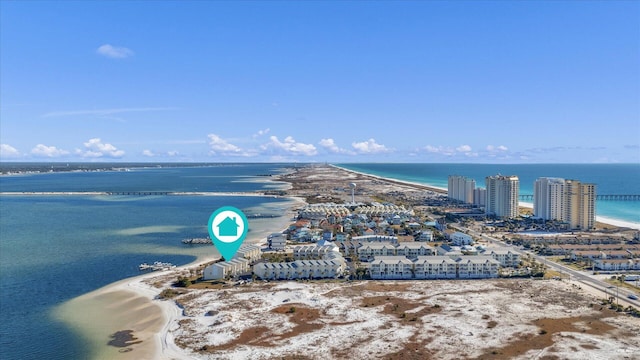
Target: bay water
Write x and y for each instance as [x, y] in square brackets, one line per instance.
[56, 247]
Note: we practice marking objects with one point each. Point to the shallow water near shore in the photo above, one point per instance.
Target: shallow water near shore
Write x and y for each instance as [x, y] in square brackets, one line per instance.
[55, 248]
[119, 306]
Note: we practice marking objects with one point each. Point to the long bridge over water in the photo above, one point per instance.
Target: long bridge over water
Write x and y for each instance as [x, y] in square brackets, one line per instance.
[603, 197]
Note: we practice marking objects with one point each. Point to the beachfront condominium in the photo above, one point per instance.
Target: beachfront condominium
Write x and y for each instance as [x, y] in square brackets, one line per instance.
[479, 197]
[502, 196]
[569, 201]
[461, 188]
[547, 198]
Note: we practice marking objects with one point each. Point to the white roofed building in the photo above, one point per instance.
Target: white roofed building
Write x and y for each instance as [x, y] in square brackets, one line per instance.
[332, 265]
[391, 267]
[435, 267]
[477, 267]
[505, 257]
[369, 250]
[224, 269]
[414, 249]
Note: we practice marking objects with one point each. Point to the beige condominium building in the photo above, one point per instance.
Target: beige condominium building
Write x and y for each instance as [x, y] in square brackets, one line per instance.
[461, 188]
[569, 201]
[502, 196]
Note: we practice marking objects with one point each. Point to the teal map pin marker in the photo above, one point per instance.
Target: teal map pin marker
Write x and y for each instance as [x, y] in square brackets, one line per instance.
[228, 227]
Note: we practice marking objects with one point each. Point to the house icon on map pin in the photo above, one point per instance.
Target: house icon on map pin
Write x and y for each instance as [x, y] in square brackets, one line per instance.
[228, 227]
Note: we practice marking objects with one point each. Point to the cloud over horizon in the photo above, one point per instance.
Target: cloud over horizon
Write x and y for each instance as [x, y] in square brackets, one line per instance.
[370, 147]
[290, 146]
[330, 145]
[42, 150]
[95, 148]
[8, 152]
[220, 146]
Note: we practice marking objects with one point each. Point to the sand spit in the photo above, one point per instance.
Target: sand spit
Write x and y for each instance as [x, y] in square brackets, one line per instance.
[402, 320]
[127, 311]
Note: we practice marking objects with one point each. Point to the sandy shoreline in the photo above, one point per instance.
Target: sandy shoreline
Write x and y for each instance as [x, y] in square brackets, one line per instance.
[130, 304]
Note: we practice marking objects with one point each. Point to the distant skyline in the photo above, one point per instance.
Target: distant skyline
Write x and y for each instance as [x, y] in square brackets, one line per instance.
[433, 81]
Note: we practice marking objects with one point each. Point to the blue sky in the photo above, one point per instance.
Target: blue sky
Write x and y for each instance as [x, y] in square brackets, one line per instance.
[475, 82]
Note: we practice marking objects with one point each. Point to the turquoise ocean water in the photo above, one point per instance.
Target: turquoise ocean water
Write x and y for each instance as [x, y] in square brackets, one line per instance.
[609, 179]
[54, 248]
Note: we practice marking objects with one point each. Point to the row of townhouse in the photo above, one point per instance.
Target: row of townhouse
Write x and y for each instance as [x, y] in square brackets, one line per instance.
[505, 257]
[317, 211]
[331, 266]
[598, 254]
[250, 252]
[313, 251]
[224, 269]
[368, 251]
[246, 255]
[617, 264]
[433, 267]
[385, 210]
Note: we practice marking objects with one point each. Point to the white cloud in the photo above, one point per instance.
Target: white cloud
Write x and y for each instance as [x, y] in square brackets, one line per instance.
[8, 152]
[290, 146]
[149, 153]
[463, 148]
[220, 146]
[492, 148]
[114, 52]
[444, 150]
[331, 146]
[261, 132]
[451, 151]
[95, 148]
[48, 151]
[370, 147]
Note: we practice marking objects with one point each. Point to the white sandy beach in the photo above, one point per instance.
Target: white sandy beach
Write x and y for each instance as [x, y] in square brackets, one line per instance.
[130, 304]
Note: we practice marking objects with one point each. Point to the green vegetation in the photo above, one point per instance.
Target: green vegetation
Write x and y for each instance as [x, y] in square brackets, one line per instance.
[168, 294]
[182, 282]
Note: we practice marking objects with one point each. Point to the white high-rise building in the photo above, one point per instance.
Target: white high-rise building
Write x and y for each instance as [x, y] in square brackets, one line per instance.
[565, 200]
[461, 188]
[479, 197]
[547, 198]
[502, 196]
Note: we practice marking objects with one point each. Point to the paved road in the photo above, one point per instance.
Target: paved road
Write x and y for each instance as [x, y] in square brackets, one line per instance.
[579, 276]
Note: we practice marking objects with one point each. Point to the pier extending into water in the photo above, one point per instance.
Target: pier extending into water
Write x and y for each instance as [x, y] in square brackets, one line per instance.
[611, 197]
